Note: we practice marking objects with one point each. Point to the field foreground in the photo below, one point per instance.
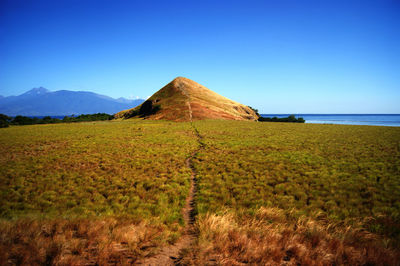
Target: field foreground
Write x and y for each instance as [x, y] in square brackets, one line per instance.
[267, 193]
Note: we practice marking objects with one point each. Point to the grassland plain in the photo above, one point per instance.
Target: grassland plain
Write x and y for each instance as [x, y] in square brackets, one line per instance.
[92, 192]
[268, 193]
[298, 193]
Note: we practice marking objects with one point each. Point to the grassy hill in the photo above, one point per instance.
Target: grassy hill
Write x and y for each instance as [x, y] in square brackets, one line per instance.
[267, 193]
[183, 99]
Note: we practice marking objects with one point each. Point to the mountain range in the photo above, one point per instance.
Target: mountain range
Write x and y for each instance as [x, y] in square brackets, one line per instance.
[186, 100]
[42, 102]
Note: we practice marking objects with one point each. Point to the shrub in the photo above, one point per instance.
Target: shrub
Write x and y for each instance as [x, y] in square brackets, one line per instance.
[88, 117]
[24, 120]
[147, 108]
[255, 111]
[4, 120]
[290, 118]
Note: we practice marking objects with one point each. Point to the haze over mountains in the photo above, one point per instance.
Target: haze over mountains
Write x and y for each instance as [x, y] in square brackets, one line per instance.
[185, 100]
[42, 102]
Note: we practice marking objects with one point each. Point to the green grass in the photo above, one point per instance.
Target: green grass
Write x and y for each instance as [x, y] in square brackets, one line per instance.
[95, 179]
[133, 169]
[344, 173]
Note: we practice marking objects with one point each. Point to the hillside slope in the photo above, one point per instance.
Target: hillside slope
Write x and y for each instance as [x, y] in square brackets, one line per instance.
[184, 100]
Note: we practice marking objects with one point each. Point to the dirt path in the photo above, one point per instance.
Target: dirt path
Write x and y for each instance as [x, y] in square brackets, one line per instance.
[171, 255]
[184, 92]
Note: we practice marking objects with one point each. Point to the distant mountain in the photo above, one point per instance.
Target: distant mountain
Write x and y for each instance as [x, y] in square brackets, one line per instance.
[185, 100]
[41, 102]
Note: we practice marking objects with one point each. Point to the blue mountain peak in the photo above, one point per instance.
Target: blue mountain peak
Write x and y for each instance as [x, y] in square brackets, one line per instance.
[37, 91]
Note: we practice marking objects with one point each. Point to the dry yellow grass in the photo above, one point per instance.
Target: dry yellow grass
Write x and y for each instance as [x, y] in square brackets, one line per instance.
[271, 237]
[76, 242]
[183, 99]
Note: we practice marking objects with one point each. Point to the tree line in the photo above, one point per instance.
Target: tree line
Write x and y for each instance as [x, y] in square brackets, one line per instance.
[290, 118]
[6, 121]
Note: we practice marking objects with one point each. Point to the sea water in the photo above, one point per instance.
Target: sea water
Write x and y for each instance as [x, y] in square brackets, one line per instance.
[347, 119]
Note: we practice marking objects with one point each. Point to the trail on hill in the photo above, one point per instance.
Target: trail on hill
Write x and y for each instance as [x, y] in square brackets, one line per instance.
[172, 254]
[184, 92]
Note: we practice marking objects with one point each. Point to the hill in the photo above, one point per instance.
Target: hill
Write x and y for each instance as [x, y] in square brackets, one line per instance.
[184, 100]
[42, 102]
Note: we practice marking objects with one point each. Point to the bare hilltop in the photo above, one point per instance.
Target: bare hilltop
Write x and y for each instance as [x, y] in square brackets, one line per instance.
[185, 100]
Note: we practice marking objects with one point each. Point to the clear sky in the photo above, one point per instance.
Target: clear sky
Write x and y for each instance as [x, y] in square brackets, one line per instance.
[282, 56]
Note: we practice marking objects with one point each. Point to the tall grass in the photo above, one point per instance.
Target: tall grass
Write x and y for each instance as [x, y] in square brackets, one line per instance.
[349, 173]
[78, 241]
[273, 237]
[73, 176]
[268, 193]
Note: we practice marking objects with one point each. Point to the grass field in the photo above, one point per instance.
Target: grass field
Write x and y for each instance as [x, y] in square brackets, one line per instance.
[344, 172]
[95, 178]
[305, 193]
[268, 193]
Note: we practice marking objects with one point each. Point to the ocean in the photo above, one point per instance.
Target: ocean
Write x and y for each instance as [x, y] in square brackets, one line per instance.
[392, 120]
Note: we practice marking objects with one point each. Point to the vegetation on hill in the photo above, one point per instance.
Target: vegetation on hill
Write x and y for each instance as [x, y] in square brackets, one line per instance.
[183, 99]
[255, 111]
[268, 193]
[145, 109]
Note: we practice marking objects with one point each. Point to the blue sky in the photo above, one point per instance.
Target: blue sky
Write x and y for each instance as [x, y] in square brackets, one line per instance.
[283, 56]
